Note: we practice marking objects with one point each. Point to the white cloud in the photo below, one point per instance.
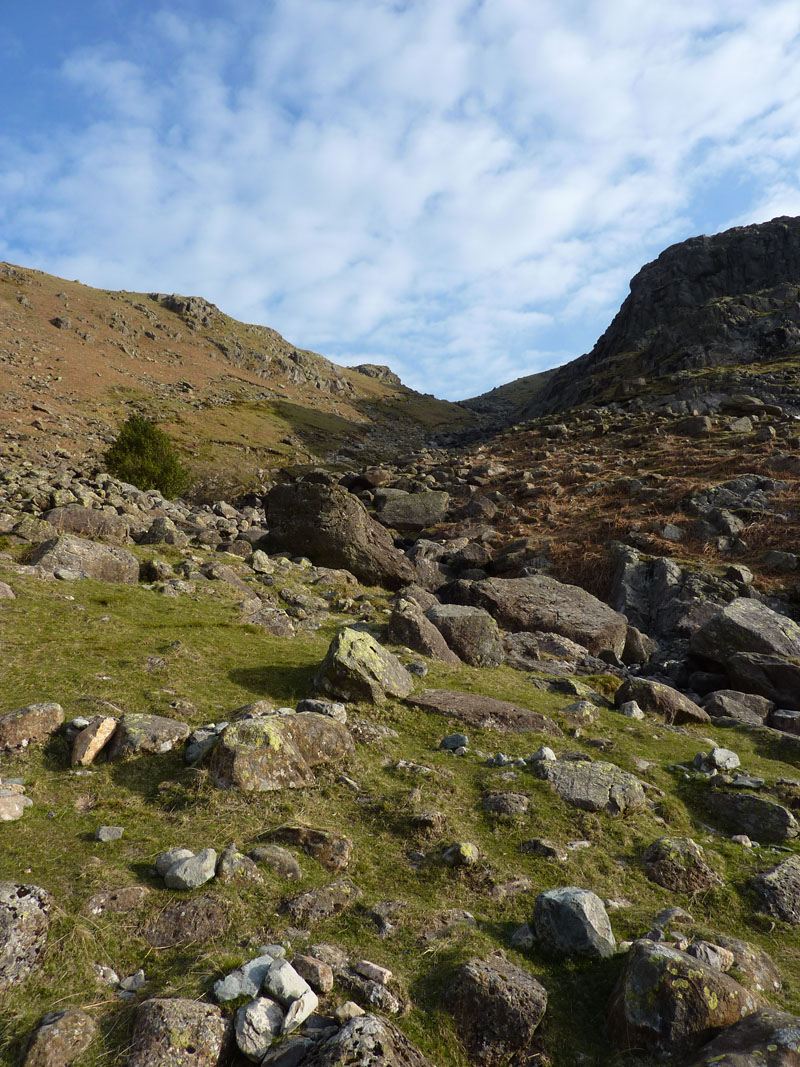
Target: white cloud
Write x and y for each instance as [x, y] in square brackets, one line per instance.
[436, 186]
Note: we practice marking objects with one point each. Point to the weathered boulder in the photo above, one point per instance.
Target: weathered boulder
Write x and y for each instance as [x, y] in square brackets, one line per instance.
[678, 864]
[192, 871]
[163, 531]
[758, 817]
[270, 752]
[332, 528]
[778, 890]
[357, 668]
[753, 967]
[411, 512]
[772, 677]
[29, 725]
[24, 921]
[332, 850]
[573, 922]
[660, 699]
[60, 1038]
[366, 1041]
[767, 1038]
[149, 734]
[497, 1007]
[80, 558]
[593, 786]
[317, 905]
[669, 1002]
[746, 625]
[256, 1025]
[89, 522]
[745, 707]
[486, 713]
[410, 627]
[172, 1032]
[471, 632]
[542, 603]
[188, 922]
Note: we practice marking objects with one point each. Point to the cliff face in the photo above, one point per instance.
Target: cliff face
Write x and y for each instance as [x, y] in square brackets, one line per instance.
[733, 298]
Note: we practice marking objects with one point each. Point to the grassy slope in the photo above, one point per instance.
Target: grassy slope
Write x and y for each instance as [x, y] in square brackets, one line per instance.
[85, 642]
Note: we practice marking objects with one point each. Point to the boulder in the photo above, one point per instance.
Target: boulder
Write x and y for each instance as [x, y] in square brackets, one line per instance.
[758, 817]
[332, 528]
[753, 967]
[192, 871]
[778, 890]
[483, 712]
[80, 558]
[256, 1025]
[172, 1032]
[24, 921]
[280, 860]
[139, 734]
[29, 725]
[60, 1039]
[593, 786]
[365, 1041]
[772, 677]
[542, 603]
[408, 626]
[470, 632]
[745, 707]
[412, 512]
[769, 1038]
[331, 850]
[270, 752]
[746, 625]
[660, 699]
[573, 922]
[678, 864]
[357, 668]
[670, 1003]
[89, 522]
[316, 905]
[496, 1007]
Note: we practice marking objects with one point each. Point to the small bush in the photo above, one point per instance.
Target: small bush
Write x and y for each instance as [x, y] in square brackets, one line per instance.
[144, 456]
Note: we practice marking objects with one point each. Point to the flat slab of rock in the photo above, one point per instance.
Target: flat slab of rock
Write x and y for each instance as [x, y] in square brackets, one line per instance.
[271, 752]
[87, 559]
[92, 740]
[593, 786]
[24, 921]
[172, 1032]
[542, 603]
[29, 725]
[323, 903]
[146, 734]
[660, 699]
[60, 1039]
[497, 1007]
[357, 668]
[483, 712]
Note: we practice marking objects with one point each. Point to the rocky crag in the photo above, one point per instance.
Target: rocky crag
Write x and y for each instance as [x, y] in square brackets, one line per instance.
[476, 755]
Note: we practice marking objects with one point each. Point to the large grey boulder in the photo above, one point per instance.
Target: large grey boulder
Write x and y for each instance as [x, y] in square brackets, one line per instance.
[24, 921]
[471, 632]
[778, 890]
[497, 1008]
[409, 626]
[60, 1038]
[660, 699]
[744, 707]
[669, 1003]
[172, 1032]
[89, 522]
[29, 725]
[758, 817]
[79, 558]
[411, 512]
[542, 603]
[593, 786]
[270, 752]
[357, 668]
[769, 1038]
[332, 528]
[573, 922]
[366, 1041]
[772, 677]
[746, 625]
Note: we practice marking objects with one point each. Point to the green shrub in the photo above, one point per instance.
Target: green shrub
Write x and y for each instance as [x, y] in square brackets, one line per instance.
[143, 455]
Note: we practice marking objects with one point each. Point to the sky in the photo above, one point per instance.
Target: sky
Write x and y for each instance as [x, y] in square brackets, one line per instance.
[461, 189]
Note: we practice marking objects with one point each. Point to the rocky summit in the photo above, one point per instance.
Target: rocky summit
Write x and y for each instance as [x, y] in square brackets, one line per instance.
[414, 733]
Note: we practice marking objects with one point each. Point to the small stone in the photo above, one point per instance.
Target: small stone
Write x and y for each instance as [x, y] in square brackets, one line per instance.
[299, 1010]
[373, 971]
[134, 981]
[631, 709]
[543, 754]
[453, 742]
[193, 871]
[256, 1024]
[165, 860]
[317, 973]
[109, 833]
[522, 938]
[347, 1011]
[462, 854]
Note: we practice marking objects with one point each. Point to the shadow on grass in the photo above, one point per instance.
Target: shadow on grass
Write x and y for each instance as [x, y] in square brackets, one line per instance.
[285, 683]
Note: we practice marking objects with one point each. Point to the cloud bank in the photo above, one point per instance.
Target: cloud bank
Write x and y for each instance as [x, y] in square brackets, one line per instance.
[459, 189]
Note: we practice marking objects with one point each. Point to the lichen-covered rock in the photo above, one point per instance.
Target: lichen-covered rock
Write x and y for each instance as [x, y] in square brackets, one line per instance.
[80, 558]
[778, 890]
[678, 864]
[24, 921]
[365, 1041]
[767, 1038]
[323, 903]
[497, 1008]
[410, 627]
[332, 850]
[758, 817]
[746, 625]
[573, 922]
[660, 699]
[471, 632]
[172, 1032]
[593, 786]
[60, 1039]
[357, 668]
[29, 725]
[671, 1003]
[486, 713]
[270, 752]
[138, 734]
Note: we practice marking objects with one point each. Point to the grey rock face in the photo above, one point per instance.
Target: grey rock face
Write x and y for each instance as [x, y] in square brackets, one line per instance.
[89, 522]
[768, 1037]
[332, 528]
[24, 921]
[497, 1008]
[412, 512]
[746, 707]
[365, 1041]
[756, 816]
[87, 559]
[256, 1025]
[357, 668]
[593, 786]
[146, 734]
[778, 890]
[179, 1033]
[660, 699]
[470, 632]
[486, 713]
[772, 677]
[746, 626]
[60, 1039]
[573, 922]
[408, 626]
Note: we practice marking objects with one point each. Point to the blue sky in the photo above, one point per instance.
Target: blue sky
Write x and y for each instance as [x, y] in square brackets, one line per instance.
[459, 188]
